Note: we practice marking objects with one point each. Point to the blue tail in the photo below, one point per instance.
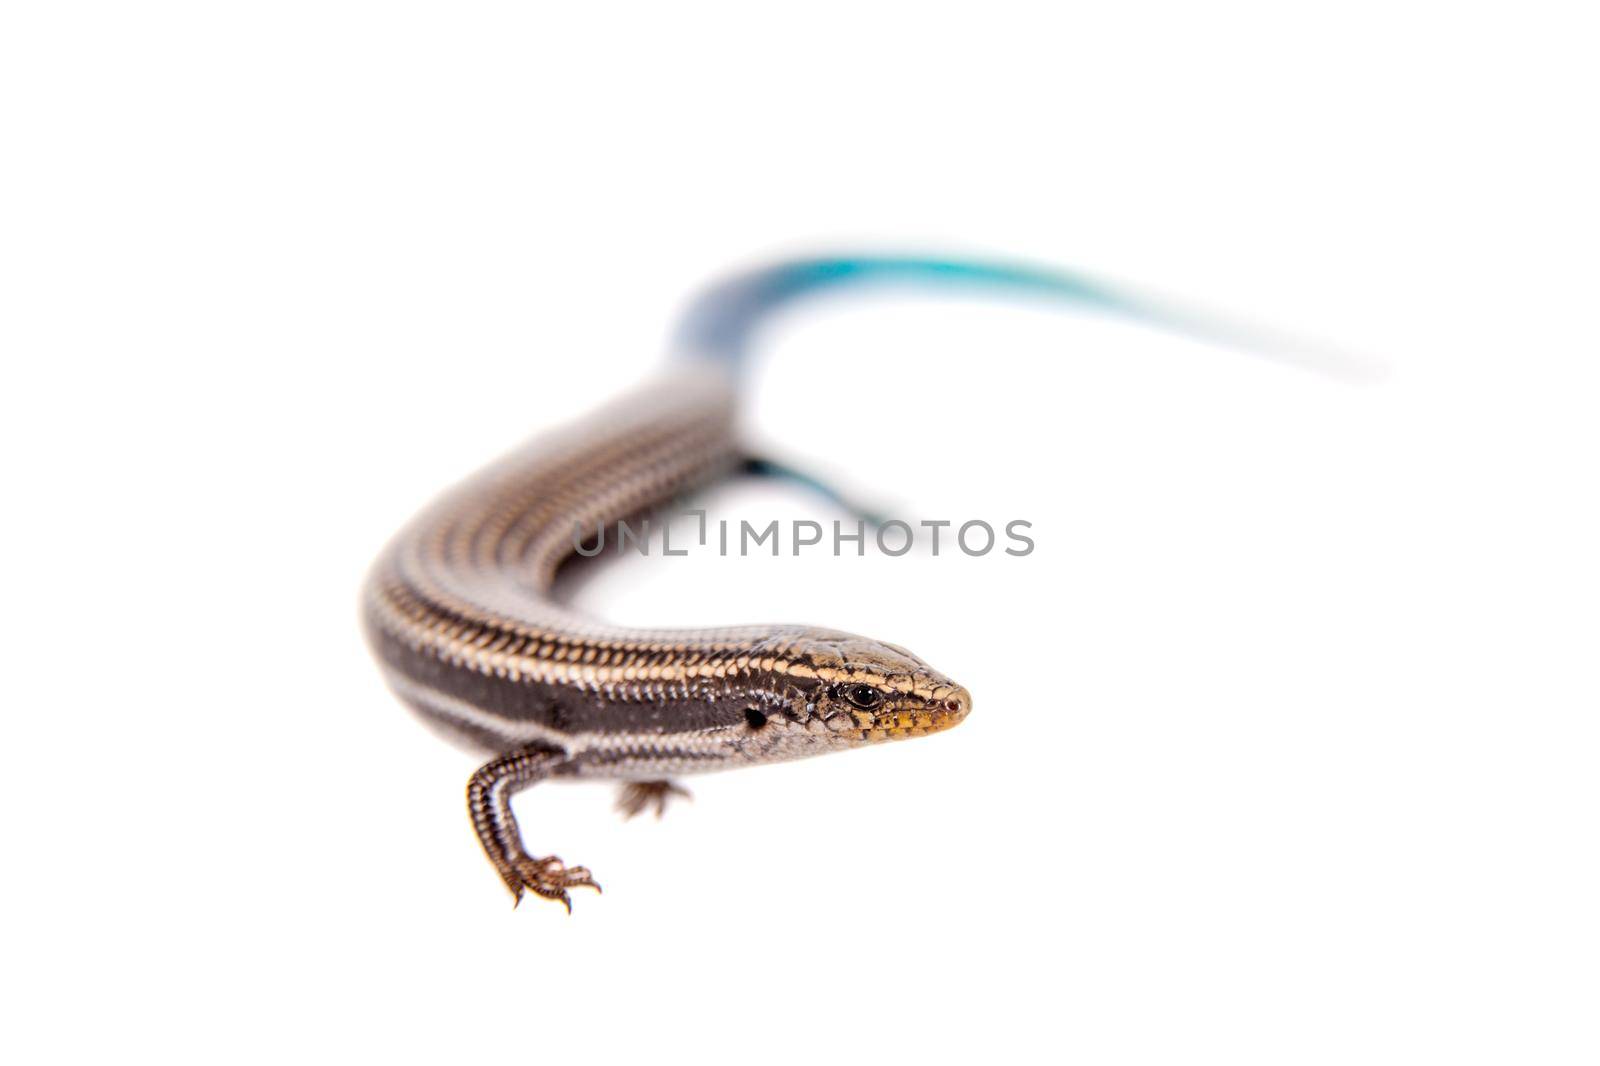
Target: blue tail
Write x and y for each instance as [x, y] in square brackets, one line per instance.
[719, 324]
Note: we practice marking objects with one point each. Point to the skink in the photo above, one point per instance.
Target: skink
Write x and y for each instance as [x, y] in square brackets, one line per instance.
[460, 614]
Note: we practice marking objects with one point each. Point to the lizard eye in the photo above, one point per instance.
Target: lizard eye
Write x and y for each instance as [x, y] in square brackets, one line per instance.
[864, 696]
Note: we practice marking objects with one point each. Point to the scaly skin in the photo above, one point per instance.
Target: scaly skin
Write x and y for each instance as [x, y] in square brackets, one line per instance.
[460, 613]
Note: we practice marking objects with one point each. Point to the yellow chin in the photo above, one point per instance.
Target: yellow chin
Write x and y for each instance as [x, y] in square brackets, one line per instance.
[898, 724]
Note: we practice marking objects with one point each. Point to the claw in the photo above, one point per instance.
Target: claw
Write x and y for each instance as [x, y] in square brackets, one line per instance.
[489, 802]
[547, 877]
[580, 877]
[635, 796]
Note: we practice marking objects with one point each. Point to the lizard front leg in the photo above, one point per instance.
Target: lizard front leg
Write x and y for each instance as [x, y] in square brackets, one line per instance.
[635, 796]
[489, 802]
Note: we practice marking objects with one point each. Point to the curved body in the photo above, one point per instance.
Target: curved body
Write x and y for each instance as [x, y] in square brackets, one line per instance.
[460, 613]
[462, 617]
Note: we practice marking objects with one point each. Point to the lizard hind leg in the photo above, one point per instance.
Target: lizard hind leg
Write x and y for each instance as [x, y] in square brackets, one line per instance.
[635, 796]
[761, 466]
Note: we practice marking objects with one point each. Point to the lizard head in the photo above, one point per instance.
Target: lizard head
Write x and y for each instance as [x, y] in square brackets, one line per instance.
[832, 690]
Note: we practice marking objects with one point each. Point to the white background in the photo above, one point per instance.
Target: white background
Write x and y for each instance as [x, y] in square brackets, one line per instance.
[1285, 741]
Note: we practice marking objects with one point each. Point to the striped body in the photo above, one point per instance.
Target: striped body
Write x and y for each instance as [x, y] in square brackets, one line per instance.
[460, 614]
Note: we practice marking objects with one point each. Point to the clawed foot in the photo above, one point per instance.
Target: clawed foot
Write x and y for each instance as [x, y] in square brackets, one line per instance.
[548, 877]
[637, 795]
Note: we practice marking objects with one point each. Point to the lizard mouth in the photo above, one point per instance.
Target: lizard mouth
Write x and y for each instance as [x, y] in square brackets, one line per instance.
[935, 716]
